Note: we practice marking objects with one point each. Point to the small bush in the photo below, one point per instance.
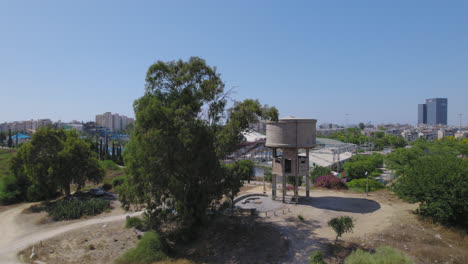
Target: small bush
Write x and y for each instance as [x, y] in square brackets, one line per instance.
[148, 250]
[316, 258]
[330, 182]
[117, 181]
[361, 184]
[75, 209]
[300, 217]
[341, 225]
[134, 222]
[385, 255]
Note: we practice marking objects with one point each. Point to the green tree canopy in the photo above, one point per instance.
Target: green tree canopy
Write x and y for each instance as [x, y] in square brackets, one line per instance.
[181, 134]
[358, 165]
[51, 161]
[440, 184]
[435, 174]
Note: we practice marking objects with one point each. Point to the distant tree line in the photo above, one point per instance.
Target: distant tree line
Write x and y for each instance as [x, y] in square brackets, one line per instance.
[379, 140]
[8, 137]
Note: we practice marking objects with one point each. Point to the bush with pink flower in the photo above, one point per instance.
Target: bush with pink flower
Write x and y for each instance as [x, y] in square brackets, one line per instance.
[329, 182]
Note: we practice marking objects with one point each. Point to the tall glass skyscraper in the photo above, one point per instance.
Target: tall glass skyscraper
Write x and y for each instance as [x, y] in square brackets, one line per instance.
[433, 112]
[422, 114]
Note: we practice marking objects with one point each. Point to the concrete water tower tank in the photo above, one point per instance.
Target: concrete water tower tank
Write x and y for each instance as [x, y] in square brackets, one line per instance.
[290, 139]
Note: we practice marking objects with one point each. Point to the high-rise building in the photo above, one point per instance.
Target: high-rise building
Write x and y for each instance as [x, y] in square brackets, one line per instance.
[436, 111]
[422, 114]
[433, 112]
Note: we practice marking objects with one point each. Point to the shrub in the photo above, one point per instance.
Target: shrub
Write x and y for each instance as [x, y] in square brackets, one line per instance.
[292, 180]
[341, 225]
[318, 171]
[74, 209]
[361, 184]
[316, 258]
[134, 222]
[117, 181]
[330, 182]
[300, 217]
[148, 250]
[385, 255]
[9, 190]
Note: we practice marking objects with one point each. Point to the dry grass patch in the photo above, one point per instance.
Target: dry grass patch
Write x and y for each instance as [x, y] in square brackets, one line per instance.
[425, 242]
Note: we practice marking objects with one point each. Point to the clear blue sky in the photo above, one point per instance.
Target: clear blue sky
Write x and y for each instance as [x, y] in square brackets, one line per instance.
[374, 60]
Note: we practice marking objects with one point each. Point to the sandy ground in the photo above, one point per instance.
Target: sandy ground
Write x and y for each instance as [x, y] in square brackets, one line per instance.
[372, 214]
[380, 219]
[20, 229]
[95, 244]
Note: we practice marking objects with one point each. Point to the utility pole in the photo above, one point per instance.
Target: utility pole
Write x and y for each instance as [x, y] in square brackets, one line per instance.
[367, 184]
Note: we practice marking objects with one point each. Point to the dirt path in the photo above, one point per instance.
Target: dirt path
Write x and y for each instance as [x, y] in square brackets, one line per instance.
[16, 234]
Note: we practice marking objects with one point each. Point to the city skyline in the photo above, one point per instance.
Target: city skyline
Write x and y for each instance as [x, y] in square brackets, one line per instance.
[354, 63]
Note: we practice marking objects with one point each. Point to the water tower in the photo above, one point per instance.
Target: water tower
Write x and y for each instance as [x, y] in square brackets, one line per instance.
[290, 138]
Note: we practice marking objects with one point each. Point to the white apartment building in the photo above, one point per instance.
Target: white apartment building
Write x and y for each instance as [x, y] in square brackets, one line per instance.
[446, 133]
[25, 126]
[36, 124]
[114, 122]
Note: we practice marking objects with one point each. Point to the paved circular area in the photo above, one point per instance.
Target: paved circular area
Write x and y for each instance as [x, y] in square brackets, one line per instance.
[260, 203]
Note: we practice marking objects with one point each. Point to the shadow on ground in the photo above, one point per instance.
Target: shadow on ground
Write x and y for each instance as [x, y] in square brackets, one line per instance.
[302, 239]
[237, 239]
[341, 204]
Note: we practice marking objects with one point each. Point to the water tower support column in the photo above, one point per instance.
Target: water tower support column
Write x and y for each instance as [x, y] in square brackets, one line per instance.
[273, 186]
[284, 180]
[296, 182]
[307, 178]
